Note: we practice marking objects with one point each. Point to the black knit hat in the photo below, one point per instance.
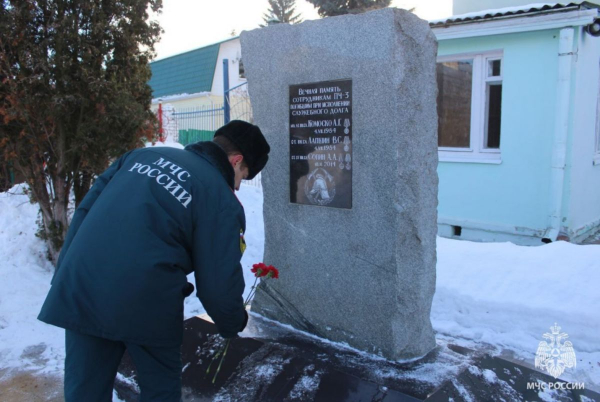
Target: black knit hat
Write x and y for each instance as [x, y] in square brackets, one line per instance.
[250, 141]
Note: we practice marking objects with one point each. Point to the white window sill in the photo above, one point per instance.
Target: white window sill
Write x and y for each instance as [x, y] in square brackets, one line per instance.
[470, 159]
[596, 160]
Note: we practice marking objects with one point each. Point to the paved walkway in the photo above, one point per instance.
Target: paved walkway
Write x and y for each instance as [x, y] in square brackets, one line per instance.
[24, 386]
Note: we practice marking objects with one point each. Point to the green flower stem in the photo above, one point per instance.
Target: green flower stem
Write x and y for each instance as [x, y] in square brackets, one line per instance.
[252, 292]
[221, 362]
[250, 297]
[215, 357]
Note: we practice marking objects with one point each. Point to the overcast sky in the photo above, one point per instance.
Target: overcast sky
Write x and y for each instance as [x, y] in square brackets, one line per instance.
[190, 24]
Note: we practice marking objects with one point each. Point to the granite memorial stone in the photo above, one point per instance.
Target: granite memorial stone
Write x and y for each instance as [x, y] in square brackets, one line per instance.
[348, 105]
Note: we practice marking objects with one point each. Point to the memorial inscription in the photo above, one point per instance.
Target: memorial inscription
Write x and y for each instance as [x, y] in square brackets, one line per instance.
[321, 143]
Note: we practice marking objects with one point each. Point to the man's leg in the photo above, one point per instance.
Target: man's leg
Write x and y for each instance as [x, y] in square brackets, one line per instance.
[158, 372]
[90, 367]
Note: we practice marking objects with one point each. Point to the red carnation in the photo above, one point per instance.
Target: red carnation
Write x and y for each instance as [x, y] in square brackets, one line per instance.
[259, 270]
[272, 272]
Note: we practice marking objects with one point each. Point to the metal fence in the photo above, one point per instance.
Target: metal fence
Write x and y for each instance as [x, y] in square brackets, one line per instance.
[238, 104]
[198, 123]
[256, 182]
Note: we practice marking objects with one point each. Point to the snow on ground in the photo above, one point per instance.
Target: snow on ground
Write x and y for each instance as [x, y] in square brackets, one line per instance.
[508, 296]
[497, 296]
[25, 342]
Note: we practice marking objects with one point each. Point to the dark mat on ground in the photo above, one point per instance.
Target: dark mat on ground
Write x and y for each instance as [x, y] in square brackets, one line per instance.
[280, 364]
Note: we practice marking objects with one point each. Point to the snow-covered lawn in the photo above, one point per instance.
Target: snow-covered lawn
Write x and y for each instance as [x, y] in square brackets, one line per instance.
[496, 296]
[508, 296]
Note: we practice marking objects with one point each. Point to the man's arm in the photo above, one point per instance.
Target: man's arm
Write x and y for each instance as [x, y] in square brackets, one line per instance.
[87, 203]
[218, 272]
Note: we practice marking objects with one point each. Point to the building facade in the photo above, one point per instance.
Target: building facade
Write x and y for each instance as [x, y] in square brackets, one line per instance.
[518, 133]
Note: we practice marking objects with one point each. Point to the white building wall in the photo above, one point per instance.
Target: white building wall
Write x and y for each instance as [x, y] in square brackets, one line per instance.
[231, 50]
[581, 209]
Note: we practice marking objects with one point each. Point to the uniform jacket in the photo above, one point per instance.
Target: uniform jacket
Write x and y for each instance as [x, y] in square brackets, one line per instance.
[156, 215]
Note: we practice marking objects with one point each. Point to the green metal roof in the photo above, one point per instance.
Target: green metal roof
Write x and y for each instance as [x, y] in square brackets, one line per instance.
[185, 73]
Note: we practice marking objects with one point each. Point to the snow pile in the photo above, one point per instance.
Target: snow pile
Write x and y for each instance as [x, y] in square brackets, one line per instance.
[508, 296]
[25, 342]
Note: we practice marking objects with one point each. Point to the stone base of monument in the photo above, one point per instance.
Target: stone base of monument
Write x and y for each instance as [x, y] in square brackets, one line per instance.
[281, 364]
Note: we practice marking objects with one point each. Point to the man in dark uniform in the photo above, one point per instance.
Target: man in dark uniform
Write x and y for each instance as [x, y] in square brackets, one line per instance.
[153, 217]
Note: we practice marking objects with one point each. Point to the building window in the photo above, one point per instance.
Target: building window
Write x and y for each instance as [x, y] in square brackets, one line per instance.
[241, 71]
[469, 107]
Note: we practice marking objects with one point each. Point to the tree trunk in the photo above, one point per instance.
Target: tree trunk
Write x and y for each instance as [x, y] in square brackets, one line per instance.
[81, 186]
[54, 210]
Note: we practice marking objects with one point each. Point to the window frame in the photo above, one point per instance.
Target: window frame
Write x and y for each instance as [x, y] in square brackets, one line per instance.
[241, 69]
[476, 152]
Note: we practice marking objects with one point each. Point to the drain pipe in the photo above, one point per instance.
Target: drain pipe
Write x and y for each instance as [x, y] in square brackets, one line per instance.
[566, 53]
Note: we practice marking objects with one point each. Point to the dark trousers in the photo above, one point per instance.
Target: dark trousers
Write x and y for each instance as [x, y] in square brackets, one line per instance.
[91, 367]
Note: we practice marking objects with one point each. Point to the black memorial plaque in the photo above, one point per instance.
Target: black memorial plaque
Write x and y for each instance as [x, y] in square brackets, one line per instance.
[321, 143]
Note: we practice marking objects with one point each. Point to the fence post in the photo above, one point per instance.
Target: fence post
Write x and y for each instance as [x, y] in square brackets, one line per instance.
[161, 131]
[226, 109]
